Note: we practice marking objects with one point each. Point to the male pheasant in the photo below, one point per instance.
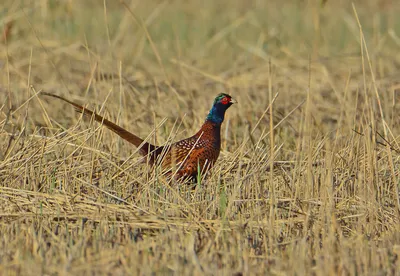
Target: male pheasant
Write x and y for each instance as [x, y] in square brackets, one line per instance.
[198, 152]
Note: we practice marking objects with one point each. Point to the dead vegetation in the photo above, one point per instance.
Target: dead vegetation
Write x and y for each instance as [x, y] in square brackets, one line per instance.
[307, 182]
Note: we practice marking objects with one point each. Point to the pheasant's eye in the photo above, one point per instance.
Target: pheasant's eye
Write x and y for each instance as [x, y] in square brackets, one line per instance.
[225, 100]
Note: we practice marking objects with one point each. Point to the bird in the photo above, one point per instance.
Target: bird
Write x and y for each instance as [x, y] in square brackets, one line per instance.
[190, 156]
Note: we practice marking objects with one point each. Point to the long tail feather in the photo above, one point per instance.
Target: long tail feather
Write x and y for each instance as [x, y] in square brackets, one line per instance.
[144, 147]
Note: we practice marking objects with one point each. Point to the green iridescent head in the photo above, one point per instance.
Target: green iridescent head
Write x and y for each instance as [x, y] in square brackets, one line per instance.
[221, 103]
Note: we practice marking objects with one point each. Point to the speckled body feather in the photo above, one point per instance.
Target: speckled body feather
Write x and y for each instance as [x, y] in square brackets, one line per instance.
[181, 159]
[199, 151]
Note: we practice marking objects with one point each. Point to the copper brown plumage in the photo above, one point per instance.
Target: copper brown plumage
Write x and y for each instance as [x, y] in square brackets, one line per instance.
[199, 151]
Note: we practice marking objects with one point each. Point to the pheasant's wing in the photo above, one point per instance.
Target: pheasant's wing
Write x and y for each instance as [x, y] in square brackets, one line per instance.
[188, 155]
[175, 156]
[144, 147]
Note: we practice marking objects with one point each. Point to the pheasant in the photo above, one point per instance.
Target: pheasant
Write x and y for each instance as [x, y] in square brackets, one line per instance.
[188, 156]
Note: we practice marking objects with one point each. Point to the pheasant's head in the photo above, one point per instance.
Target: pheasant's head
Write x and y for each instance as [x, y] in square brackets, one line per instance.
[221, 103]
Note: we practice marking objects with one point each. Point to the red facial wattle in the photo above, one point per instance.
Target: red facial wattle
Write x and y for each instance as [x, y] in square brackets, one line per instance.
[225, 100]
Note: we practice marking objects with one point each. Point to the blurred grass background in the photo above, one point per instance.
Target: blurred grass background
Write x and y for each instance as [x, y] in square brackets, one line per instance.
[317, 195]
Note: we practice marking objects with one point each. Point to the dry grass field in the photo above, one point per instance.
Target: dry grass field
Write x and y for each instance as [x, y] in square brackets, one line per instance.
[307, 182]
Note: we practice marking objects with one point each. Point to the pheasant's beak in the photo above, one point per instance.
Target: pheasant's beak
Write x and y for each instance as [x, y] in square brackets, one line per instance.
[233, 101]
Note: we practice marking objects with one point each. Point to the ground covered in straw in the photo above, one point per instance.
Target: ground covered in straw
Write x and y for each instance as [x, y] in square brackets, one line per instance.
[308, 178]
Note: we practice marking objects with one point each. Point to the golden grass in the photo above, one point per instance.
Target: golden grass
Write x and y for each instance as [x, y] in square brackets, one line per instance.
[307, 181]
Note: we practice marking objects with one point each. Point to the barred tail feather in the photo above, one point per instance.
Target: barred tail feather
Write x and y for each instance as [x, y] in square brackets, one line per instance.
[144, 147]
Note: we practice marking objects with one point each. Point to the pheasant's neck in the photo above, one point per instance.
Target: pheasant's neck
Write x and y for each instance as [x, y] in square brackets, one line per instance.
[210, 125]
[216, 115]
